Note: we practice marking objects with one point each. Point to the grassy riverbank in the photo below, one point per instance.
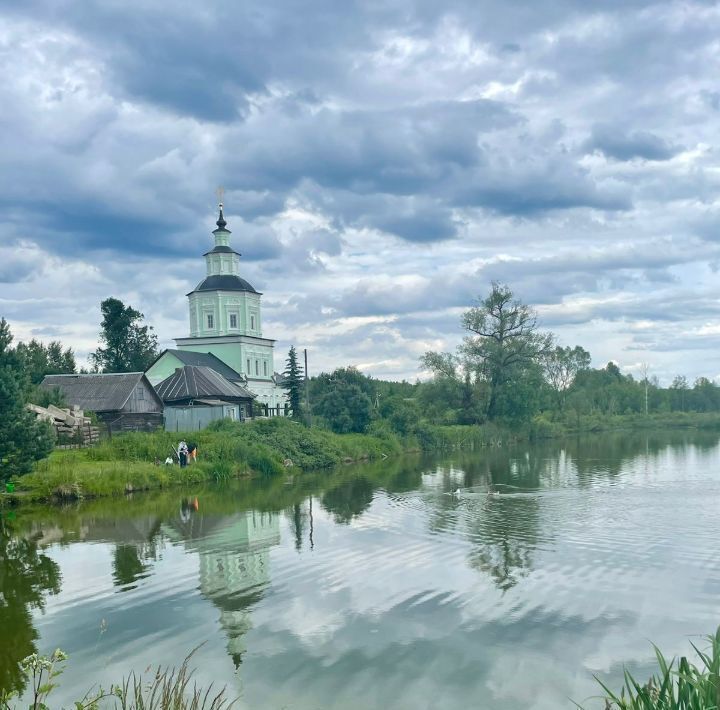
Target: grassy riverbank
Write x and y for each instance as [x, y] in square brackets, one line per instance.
[546, 426]
[230, 450]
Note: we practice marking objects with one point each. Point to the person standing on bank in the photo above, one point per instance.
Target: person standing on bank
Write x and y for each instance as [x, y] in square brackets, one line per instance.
[183, 453]
[192, 452]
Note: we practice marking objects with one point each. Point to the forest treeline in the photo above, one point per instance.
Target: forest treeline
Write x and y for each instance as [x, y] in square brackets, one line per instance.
[507, 371]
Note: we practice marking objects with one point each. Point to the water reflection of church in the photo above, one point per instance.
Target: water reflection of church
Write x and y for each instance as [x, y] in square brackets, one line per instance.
[234, 553]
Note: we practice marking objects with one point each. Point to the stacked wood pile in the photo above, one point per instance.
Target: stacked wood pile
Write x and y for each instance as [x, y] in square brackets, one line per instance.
[73, 429]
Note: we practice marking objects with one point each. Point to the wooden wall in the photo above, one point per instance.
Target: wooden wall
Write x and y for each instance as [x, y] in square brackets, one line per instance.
[143, 399]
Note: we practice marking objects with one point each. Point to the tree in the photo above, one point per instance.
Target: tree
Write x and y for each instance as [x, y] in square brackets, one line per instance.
[129, 346]
[561, 367]
[645, 369]
[455, 388]
[23, 439]
[504, 345]
[344, 400]
[705, 395]
[40, 360]
[293, 382]
[679, 389]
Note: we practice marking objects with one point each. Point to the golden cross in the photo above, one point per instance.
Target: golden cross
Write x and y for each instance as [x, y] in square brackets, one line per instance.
[220, 192]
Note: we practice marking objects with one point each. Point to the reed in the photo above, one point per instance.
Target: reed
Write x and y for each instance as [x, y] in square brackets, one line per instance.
[165, 689]
[681, 686]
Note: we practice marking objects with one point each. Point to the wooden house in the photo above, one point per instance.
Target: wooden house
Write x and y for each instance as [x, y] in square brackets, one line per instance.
[122, 401]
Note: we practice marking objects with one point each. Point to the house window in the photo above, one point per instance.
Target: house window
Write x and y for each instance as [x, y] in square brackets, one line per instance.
[257, 367]
[248, 366]
[252, 322]
[233, 320]
[210, 321]
[265, 368]
[140, 393]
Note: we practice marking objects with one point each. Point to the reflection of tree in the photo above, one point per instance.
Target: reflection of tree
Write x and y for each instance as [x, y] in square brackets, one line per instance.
[348, 500]
[131, 557]
[127, 565]
[505, 532]
[607, 455]
[403, 474]
[26, 576]
[298, 525]
[504, 539]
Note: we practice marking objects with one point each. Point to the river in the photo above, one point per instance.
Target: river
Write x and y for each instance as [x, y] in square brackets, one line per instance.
[380, 586]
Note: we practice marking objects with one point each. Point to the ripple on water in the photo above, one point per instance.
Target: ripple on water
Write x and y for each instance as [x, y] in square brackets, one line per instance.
[418, 595]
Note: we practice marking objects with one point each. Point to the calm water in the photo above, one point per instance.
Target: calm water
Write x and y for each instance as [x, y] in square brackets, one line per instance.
[373, 587]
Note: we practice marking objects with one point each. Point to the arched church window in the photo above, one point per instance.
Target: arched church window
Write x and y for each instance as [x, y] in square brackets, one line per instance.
[248, 366]
[252, 322]
[257, 367]
[265, 368]
[210, 321]
[233, 320]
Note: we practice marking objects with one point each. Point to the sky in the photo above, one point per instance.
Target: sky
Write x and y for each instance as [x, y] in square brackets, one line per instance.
[383, 163]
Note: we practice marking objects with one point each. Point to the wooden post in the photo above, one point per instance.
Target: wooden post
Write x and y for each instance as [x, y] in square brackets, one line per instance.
[307, 391]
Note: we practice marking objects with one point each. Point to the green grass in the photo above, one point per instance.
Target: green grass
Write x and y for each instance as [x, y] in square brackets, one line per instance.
[676, 686]
[229, 450]
[633, 422]
[226, 451]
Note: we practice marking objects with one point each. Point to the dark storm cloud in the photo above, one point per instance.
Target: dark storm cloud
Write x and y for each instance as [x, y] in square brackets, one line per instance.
[679, 307]
[422, 226]
[613, 142]
[18, 262]
[408, 149]
[380, 160]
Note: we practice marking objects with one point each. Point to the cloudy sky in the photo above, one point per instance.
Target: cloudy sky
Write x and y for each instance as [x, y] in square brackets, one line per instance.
[383, 162]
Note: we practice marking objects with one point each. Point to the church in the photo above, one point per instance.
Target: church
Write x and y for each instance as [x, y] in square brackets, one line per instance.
[226, 330]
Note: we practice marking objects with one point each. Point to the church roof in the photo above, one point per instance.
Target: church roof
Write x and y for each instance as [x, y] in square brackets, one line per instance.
[189, 357]
[191, 382]
[224, 282]
[221, 249]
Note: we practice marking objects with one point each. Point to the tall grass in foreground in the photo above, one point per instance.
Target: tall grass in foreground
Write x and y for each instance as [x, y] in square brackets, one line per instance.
[683, 687]
[165, 689]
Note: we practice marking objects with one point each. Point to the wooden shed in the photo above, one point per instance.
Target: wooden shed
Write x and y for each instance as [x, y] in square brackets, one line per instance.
[122, 401]
[204, 389]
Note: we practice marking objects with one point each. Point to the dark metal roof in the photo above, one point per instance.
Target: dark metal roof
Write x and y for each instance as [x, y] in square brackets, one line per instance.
[221, 249]
[97, 393]
[190, 382]
[188, 357]
[224, 282]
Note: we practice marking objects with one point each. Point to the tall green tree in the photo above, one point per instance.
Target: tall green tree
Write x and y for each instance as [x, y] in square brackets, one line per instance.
[127, 345]
[40, 359]
[23, 439]
[344, 399]
[561, 366]
[504, 345]
[679, 392]
[293, 382]
[455, 388]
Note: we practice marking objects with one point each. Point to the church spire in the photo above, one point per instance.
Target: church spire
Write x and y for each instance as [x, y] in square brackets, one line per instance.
[221, 223]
